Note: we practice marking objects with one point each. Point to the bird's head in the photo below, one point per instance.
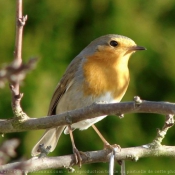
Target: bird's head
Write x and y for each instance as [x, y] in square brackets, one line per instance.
[112, 48]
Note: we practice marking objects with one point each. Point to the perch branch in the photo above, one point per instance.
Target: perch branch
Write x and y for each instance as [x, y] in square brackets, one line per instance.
[133, 153]
[92, 111]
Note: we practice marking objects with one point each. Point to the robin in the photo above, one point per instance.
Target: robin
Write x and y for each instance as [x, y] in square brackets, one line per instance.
[99, 73]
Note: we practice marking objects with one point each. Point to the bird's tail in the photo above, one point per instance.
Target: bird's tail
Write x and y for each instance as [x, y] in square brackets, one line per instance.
[49, 138]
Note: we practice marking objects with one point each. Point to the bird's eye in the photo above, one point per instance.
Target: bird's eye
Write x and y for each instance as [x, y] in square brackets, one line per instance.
[114, 43]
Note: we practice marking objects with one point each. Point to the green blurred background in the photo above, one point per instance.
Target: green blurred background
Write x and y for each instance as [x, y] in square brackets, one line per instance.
[56, 31]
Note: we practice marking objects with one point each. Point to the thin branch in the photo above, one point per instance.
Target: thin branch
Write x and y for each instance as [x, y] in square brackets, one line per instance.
[7, 150]
[133, 153]
[169, 122]
[92, 111]
[18, 41]
[20, 22]
[16, 74]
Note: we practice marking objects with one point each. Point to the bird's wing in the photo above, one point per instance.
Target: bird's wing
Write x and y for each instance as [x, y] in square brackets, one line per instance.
[66, 81]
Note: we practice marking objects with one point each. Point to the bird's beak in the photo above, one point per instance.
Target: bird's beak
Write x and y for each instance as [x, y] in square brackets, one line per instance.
[135, 48]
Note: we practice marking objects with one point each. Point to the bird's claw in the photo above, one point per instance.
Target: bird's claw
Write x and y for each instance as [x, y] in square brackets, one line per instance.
[113, 148]
[78, 158]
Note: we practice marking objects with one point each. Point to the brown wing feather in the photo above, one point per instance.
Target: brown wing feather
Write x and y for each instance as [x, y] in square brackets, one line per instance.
[67, 78]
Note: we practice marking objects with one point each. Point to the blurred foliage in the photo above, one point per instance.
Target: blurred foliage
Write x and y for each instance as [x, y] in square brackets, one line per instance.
[56, 31]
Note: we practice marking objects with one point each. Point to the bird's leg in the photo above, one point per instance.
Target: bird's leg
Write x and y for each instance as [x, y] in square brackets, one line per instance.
[106, 144]
[100, 135]
[78, 158]
[77, 153]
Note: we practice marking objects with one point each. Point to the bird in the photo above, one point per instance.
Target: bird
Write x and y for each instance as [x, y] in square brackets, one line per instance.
[99, 73]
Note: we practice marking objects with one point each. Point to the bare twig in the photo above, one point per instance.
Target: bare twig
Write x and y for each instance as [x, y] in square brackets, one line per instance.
[20, 21]
[16, 74]
[16, 71]
[169, 122]
[17, 63]
[133, 153]
[7, 150]
[92, 111]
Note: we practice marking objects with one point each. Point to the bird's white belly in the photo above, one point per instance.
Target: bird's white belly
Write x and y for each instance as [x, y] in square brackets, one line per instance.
[87, 123]
[82, 125]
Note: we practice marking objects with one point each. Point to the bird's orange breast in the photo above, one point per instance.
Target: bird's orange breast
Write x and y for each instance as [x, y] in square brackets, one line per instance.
[105, 72]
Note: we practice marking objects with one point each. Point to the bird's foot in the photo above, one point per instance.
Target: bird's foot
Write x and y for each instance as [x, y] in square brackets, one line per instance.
[43, 151]
[114, 148]
[78, 158]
